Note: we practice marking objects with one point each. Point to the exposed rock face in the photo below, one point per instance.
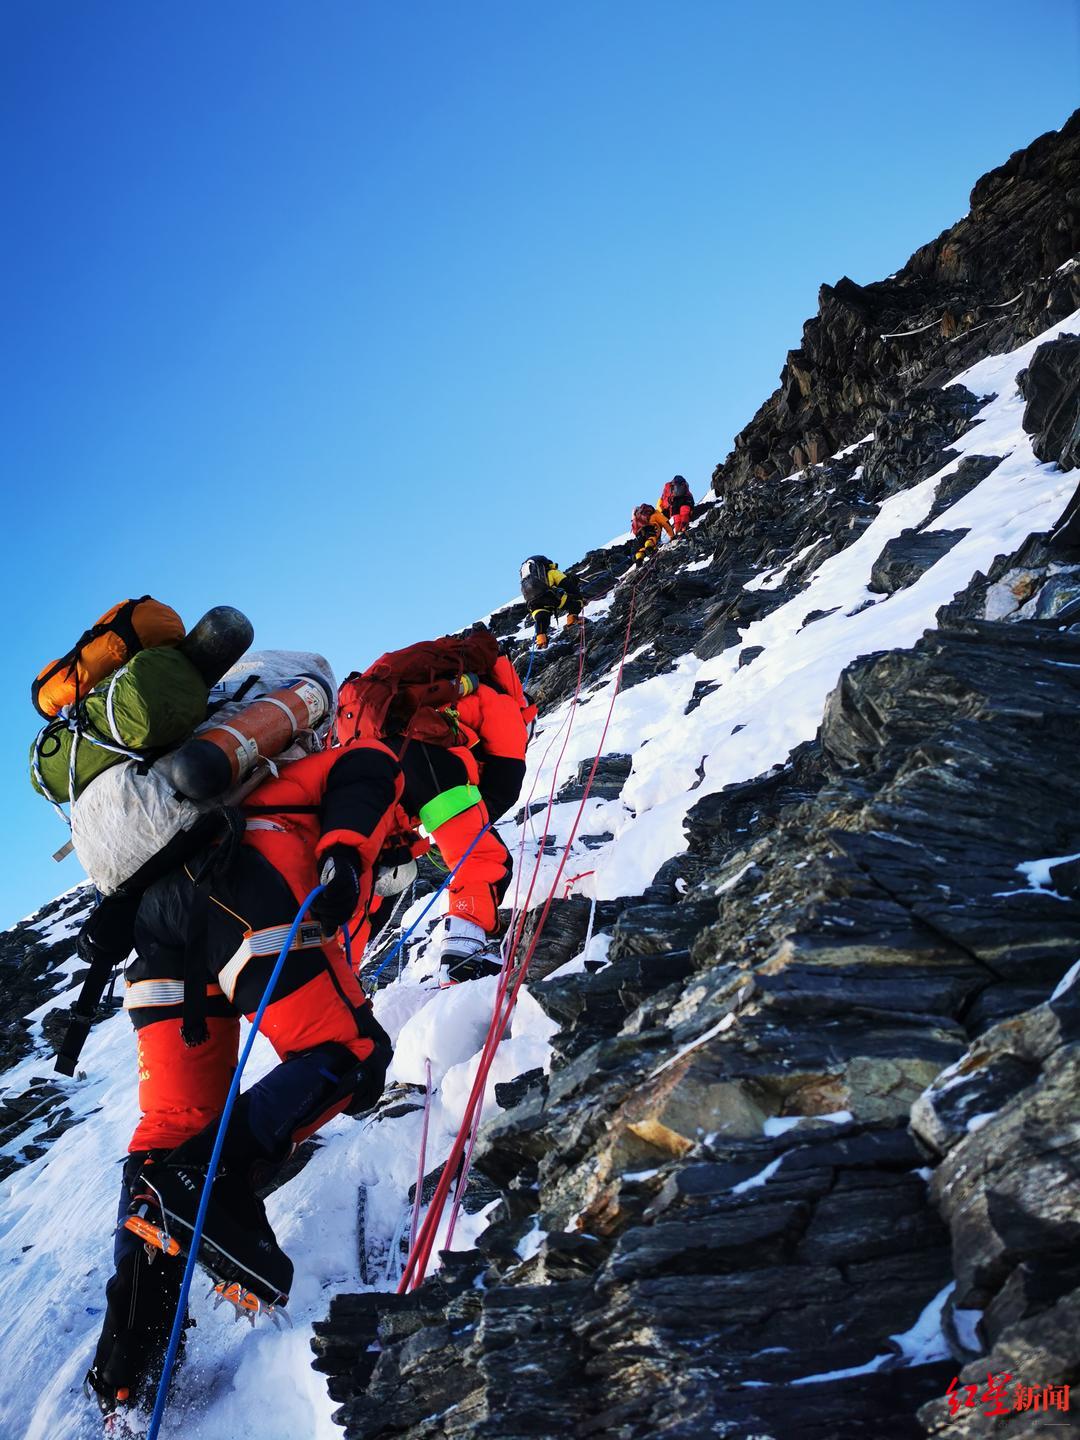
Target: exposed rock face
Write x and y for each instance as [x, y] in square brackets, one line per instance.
[1051, 387]
[910, 555]
[989, 282]
[37, 959]
[34, 956]
[704, 1246]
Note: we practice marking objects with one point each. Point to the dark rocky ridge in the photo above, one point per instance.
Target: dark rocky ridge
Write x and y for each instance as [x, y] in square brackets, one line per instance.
[982, 287]
[34, 967]
[850, 947]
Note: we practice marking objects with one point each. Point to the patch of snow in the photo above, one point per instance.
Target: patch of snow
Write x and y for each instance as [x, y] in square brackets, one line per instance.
[733, 880]
[966, 1322]
[1036, 874]
[720, 1026]
[531, 1243]
[759, 1179]
[778, 1124]
[868, 1369]
[925, 1343]
[1067, 981]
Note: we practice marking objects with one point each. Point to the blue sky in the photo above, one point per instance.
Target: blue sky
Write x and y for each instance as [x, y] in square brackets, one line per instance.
[334, 312]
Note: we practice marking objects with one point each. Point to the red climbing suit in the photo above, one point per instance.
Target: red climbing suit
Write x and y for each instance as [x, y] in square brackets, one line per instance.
[677, 504]
[333, 798]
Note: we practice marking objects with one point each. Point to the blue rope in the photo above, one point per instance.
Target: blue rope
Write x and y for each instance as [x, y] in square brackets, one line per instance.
[215, 1156]
[532, 661]
[372, 978]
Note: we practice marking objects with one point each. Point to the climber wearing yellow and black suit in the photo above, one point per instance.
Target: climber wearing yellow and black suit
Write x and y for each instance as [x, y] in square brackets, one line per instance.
[547, 591]
[647, 524]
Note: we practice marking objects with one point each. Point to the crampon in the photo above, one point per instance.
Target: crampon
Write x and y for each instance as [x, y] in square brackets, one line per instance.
[248, 1305]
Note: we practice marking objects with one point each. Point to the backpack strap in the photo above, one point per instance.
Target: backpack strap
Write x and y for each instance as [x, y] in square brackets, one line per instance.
[82, 1012]
[193, 1028]
[104, 941]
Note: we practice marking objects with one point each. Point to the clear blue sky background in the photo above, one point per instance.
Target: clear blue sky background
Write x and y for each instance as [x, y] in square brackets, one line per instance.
[336, 311]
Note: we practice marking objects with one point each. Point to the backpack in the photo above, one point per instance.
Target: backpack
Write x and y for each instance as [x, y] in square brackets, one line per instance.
[677, 492]
[127, 822]
[534, 577]
[121, 633]
[405, 692]
[143, 708]
[642, 518]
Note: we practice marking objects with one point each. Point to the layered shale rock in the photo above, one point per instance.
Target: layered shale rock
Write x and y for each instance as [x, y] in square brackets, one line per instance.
[807, 1151]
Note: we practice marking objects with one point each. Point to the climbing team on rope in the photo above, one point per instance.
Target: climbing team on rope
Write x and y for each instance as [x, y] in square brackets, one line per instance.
[251, 828]
[548, 592]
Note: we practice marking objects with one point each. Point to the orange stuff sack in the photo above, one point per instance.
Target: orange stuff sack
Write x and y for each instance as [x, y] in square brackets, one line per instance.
[123, 631]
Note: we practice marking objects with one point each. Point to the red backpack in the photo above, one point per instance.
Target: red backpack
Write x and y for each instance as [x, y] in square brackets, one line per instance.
[642, 518]
[676, 492]
[404, 691]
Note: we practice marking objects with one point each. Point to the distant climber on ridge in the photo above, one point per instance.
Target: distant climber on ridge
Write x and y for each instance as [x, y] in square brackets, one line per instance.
[647, 524]
[547, 591]
[677, 503]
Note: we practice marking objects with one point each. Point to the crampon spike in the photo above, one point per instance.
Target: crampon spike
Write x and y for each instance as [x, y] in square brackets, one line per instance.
[248, 1305]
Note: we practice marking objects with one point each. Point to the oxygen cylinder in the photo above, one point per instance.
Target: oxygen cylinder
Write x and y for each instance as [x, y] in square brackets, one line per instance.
[217, 758]
[217, 641]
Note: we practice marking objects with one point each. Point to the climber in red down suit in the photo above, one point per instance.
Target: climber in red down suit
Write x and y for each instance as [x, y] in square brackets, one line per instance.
[463, 766]
[677, 504]
[206, 939]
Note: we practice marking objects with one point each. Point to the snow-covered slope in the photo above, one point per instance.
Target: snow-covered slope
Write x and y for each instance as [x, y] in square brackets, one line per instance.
[695, 714]
[56, 1213]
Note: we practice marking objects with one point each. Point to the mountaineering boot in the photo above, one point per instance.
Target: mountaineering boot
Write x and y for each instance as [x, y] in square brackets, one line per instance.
[237, 1243]
[465, 952]
[140, 1303]
[541, 642]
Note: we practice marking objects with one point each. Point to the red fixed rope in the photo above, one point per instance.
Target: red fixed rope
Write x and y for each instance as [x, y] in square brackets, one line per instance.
[470, 1121]
[420, 1253]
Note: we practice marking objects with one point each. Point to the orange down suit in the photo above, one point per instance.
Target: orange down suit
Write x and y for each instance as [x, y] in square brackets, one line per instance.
[219, 939]
[482, 778]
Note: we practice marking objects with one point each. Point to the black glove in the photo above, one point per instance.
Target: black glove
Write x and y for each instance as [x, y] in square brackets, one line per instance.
[340, 874]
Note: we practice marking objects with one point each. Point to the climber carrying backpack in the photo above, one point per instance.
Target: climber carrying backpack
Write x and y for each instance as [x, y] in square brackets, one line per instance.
[647, 524]
[207, 936]
[206, 907]
[454, 713]
[677, 503]
[547, 591]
